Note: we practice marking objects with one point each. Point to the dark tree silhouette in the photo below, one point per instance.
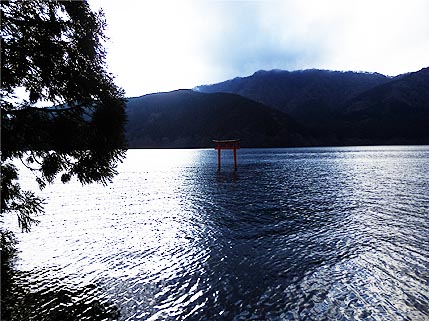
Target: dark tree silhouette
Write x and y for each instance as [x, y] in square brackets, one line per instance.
[53, 50]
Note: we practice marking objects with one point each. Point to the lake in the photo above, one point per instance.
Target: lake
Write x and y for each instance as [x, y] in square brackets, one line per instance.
[294, 234]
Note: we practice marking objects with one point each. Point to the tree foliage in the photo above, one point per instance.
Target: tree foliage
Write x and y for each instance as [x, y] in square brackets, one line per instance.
[54, 51]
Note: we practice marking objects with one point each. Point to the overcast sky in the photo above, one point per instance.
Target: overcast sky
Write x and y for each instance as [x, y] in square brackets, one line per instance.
[160, 45]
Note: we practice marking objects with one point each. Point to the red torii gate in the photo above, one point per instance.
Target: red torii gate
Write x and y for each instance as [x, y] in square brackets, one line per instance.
[233, 144]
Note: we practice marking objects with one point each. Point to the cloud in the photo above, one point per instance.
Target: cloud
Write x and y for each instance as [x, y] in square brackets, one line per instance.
[391, 37]
[165, 45]
[244, 37]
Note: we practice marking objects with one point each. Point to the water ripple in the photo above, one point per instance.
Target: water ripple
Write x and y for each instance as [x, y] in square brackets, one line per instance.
[314, 234]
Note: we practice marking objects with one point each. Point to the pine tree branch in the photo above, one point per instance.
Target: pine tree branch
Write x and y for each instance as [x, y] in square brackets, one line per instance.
[44, 109]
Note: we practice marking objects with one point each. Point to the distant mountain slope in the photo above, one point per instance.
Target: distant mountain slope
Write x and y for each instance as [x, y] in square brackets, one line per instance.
[397, 111]
[310, 96]
[330, 108]
[185, 118]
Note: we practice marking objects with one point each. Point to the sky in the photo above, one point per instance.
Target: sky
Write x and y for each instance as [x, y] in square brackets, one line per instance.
[158, 45]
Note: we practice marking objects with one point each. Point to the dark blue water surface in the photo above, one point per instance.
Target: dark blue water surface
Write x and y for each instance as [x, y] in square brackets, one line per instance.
[294, 234]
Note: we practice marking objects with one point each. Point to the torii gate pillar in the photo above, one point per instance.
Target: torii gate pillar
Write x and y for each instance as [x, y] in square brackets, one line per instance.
[233, 144]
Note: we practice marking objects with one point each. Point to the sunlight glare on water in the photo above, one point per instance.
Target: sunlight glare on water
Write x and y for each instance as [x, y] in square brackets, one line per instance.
[305, 233]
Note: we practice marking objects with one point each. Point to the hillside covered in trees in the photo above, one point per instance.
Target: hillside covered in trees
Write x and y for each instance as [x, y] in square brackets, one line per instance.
[280, 108]
[185, 118]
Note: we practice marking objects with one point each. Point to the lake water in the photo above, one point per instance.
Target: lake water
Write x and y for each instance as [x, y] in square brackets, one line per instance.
[294, 234]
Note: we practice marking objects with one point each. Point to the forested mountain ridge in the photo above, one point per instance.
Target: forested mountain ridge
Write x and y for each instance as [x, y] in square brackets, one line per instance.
[323, 108]
[395, 112]
[184, 118]
[410, 90]
[307, 95]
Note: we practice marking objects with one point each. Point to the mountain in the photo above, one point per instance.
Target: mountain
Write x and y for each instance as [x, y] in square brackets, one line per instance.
[301, 108]
[343, 108]
[185, 118]
[310, 96]
[395, 112]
